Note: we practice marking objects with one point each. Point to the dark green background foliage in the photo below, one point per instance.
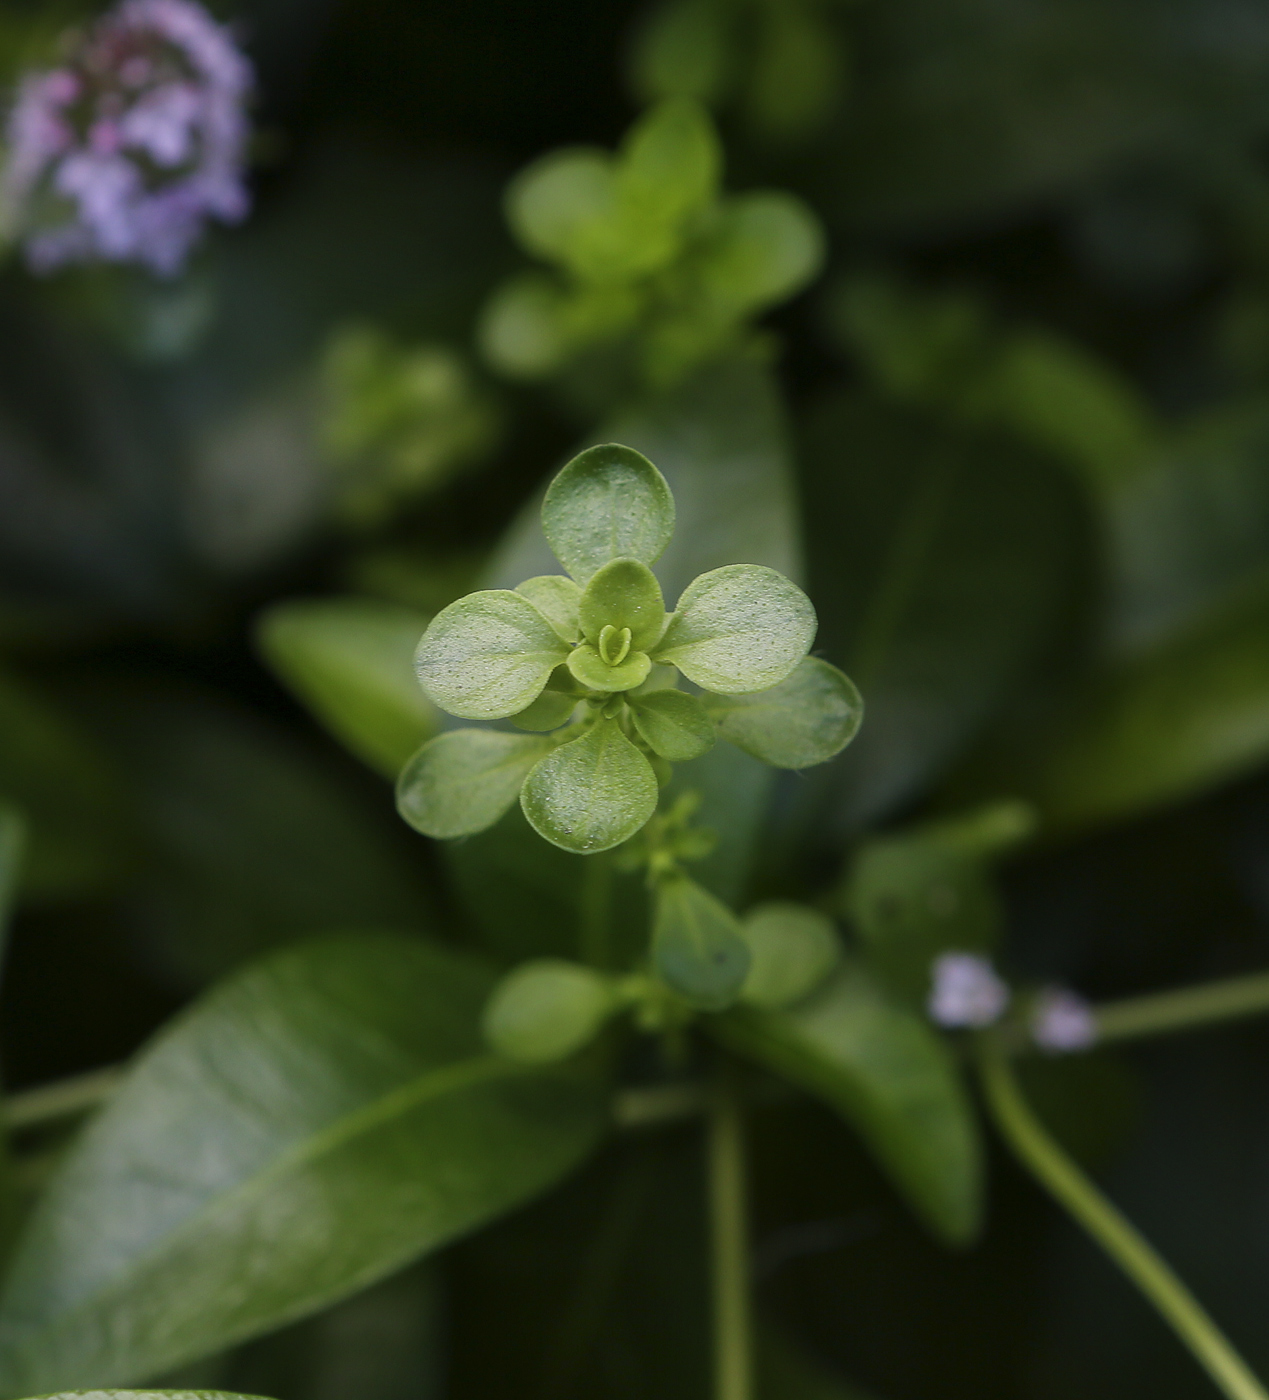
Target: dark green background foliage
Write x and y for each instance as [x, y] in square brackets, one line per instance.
[1013, 440]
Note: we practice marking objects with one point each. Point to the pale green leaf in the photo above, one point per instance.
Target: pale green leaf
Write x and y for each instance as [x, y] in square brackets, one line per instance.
[624, 593]
[588, 667]
[670, 163]
[591, 793]
[556, 597]
[311, 1125]
[487, 655]
[698, 947]
[564, 204]
[546, 1009]
[766, 247]
[889, 1074]
[550, 710]
[792, 950]
[350, 661]
[673, 724]
[525, 330]
[806, 719]
[609, 502]
[462, 782]
[739, 629]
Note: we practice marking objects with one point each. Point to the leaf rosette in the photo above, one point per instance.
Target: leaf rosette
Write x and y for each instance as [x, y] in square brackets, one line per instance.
[589, 663]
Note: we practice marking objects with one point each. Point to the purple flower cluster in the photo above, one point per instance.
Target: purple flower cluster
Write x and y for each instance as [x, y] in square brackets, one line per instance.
[965, 991]
[123, 152]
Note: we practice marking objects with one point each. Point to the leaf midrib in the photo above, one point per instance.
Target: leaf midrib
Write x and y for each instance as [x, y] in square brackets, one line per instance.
[430, 1085]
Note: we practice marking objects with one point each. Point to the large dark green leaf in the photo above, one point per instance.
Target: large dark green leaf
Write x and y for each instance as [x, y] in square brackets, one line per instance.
[351, 661]
[890, 1075]
[310, 1125]
[939, 563]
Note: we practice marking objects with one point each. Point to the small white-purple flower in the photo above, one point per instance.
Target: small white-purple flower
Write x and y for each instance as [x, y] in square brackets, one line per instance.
[965, 991]
[1062, 1021]
[124, 152]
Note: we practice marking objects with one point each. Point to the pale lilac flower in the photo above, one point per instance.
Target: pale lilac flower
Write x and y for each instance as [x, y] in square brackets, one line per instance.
[1062, 1021]
[124, 152]
[965, 991]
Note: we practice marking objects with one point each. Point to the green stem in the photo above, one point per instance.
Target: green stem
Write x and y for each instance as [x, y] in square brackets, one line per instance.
[596, 940]
[64, 1098]
[1183, 1009]
[1055, 1171]
[729, 1221]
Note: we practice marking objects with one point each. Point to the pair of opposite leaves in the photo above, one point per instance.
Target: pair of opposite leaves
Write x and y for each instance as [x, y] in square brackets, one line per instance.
[534, 654]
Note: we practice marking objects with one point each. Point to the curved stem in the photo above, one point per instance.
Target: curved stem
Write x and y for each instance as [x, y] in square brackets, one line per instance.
[1055, 1171]
[729, 1221]
[1183, 1009]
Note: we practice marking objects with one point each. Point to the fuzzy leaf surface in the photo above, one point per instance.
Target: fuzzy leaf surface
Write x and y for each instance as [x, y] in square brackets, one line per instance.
[461, 782]
[739, 629]
[807, 719]
[608, 502]
[591, 793]
[487, 655]
[309, 1126]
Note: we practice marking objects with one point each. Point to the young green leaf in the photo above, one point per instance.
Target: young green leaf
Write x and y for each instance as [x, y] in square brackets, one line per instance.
[609, 502]
[669, 167]
[806, 719]
[349, 661]
[889, 1074]
[546, 1009]
[461, 782]
[793, 949]
[556, 597]
[673, 724]
[550, 710]
[766, 247]
[590, 669]
[591, 793]
[563, 207]
[624, 593]
[336, 1102]
[487, 655]
[698, 947]
[739, 629]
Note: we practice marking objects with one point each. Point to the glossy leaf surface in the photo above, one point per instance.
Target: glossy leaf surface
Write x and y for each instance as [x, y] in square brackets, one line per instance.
[891, 1076]
[739, 629]
[487, 655]
[697, 944]
[608, 502]
[591, 793]
[336, 1100]
[674, 724]
[462, 782]
[350, 661]
[808, 718]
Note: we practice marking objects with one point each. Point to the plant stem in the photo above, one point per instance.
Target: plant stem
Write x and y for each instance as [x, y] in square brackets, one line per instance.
[1055, 1171]
[728, 1206]
[64, 1098]
[1183, 1009]
[596, 939]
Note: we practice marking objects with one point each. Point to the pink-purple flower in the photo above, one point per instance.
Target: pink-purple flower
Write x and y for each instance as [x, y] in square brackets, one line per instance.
[965, 991]
[124, 152]
[1062, 1021]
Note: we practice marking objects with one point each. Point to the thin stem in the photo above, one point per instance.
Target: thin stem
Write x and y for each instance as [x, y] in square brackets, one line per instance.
[1183, 1009]
[596, 941]
[64, 1098]
[1055, 1171]
[729, 1221]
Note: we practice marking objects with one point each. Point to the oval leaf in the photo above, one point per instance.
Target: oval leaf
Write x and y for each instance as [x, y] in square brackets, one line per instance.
[556, 597]
[588, 667]
[488, 655]
[673, 724]
[739, 629]
[624, 593]
[793, 949]
[349, 661]
[550, 710]
[591, 793]
[697, 945]
[462, 782]
[892, 1077]
[608, 502]
[546, 1009]
[806, 719]
[309, 1126]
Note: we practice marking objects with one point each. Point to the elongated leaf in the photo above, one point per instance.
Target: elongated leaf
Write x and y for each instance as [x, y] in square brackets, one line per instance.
[462, 782]
[697, 944]
[350, 661]
[676, 725]
[806, 719]
[739, 629]
[609, 501]
[890, 1075]
[591, 793]
[487, 655]
[309, 1126]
